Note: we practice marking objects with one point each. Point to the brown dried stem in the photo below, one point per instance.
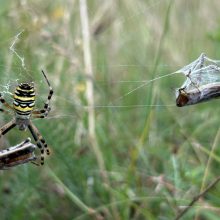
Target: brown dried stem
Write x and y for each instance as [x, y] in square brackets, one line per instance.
[196, 198]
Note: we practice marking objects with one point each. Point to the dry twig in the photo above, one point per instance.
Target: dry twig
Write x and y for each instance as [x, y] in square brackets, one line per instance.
[196, 198]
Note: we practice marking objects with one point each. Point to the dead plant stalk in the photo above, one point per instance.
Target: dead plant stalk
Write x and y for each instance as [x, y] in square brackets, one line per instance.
[89, 86]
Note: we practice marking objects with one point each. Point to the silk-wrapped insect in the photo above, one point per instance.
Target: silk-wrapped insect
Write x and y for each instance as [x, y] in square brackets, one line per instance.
[197, 95]
[17, 155]
[202, 83]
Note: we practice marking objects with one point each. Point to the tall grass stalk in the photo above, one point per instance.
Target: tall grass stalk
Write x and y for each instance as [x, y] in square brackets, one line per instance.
[74, 198]
[89, 87]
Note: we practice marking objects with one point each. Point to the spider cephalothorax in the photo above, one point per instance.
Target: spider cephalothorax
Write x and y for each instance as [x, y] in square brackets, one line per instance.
[23, 108]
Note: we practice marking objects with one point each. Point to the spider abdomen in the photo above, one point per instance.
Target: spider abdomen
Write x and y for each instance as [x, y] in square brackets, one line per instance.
[24, 100]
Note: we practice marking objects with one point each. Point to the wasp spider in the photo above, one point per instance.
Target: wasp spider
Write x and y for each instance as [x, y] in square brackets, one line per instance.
[23, 109]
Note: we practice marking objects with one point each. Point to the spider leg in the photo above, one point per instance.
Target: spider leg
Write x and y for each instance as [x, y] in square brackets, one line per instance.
[46, 109]
[7, 127]
[41, 143]
[39, 115]
[35, 163]
[2, 100]
[3, 110]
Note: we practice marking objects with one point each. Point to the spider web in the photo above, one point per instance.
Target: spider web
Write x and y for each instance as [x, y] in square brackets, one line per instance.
[200, 72]
[18, 71]
[21, 71]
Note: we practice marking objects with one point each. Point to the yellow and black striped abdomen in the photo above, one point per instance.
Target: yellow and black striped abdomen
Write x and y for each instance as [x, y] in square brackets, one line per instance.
[24, 99]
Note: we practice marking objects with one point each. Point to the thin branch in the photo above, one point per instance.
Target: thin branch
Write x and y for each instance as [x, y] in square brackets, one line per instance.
[196, 198]
[215, 144]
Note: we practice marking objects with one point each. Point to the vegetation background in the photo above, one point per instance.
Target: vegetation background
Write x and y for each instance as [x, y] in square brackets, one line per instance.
[146, 158]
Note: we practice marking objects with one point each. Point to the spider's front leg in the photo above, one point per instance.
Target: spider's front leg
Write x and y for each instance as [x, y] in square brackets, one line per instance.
[7, 127]
[46, 109]
[3, 101]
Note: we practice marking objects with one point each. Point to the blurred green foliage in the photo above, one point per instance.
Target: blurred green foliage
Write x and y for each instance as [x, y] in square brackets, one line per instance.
[152, 154]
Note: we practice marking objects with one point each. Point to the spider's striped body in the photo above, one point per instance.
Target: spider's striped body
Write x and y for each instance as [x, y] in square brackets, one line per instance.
[24, 100]
[23, 104]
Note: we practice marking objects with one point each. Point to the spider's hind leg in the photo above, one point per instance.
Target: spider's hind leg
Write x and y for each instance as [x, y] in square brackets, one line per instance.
[41, 143]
